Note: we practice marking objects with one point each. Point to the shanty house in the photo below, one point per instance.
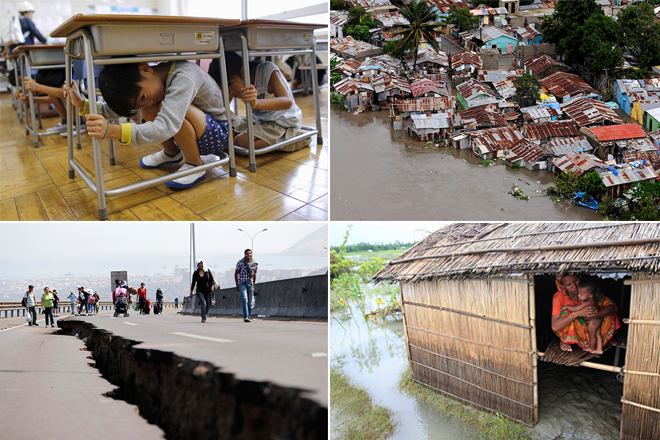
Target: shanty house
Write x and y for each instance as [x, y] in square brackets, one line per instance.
[490, 16]
[528, 155]
[604, 138]
[542, 65]
[494, 142]
[653, 119]
[388, 87]
[544, 132]
[477, 306]
[621, 178]
[472, 93]
[358, 93]
[428, 89]
[428, 61]
[566, 87]
[564, 146]
[464, 64]
[540, 113]
[348, 47]
[491, 37]
[407, 107]
[429, 127]
[579, 163]
[587, 112]
[529, 35]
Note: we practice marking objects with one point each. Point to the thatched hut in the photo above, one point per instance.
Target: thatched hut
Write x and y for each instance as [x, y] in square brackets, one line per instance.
[477, 302]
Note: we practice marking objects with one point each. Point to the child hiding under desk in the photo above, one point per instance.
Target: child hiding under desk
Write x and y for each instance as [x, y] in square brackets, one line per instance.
[276, 116]
[181, 103]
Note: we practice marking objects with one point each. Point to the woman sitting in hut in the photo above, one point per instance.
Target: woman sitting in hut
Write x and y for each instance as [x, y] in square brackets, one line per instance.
[569, 326]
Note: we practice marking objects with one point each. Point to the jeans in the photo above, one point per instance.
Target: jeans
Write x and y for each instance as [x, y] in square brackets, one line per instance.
[73, 307]
[246, 290]
[204, 302]
[33, 312]
[48, 311]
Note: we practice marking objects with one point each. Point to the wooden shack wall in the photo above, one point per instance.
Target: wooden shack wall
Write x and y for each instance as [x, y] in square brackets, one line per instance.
[471, 340]
[642, 380]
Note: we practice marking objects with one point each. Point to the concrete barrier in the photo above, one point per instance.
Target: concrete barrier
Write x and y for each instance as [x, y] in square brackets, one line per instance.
[305, 297]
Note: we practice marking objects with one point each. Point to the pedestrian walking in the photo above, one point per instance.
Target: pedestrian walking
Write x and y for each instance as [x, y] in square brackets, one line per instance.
[245, 277]
[47, 306]
[30, 303]
[142, 296]
[56, 303]
[97, 298]
[159, 302]
[72, 300]
[203, 279]
[91, 300]
[176, 302]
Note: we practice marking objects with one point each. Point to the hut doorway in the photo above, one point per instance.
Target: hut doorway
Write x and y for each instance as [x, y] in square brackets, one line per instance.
[635, 359]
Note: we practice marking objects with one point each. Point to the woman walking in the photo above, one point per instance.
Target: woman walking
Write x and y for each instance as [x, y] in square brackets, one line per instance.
[204, 281]
[47, 306]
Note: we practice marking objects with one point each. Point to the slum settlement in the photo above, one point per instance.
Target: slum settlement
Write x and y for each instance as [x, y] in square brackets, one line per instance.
[465, 97]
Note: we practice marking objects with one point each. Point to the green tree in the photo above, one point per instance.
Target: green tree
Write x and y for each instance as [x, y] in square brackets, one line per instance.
[527, 90]
[337, 5]
[359, 32]
[564, 26]
[462, 18]
[600, 43]
[395, 49]
[422, 22]
[640, 33]
[645, 204]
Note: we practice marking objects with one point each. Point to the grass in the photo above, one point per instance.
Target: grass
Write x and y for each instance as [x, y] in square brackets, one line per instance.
[355, 417]
[487, 426]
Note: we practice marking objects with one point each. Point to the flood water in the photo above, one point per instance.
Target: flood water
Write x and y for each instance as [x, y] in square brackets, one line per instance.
[382, 174]
[574, 403]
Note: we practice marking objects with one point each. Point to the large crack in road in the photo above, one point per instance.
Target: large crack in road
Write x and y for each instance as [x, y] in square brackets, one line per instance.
[191, 399]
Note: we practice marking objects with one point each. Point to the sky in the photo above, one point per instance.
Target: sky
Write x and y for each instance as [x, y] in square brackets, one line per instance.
[96, 248]
[382, 232]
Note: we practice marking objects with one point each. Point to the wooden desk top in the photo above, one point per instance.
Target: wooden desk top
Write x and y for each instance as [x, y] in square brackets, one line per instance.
[82, 20]
[25, 48]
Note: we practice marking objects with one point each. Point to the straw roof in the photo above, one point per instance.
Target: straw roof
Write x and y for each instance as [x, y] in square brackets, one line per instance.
[478, 250]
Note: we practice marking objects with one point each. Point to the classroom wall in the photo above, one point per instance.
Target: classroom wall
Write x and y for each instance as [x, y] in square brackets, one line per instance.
[47, 14]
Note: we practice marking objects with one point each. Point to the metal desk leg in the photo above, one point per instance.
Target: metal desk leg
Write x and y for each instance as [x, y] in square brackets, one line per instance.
[315, 89]
[33, 113]
[41, 125]
[18, 101]
[112, 153]
[78, 122]
[98, 157]
[225, 99]
[248, 107]
[69, 118]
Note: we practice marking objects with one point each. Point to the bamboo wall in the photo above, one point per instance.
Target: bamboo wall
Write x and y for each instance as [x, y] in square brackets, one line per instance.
[483, 362]
[643, 356]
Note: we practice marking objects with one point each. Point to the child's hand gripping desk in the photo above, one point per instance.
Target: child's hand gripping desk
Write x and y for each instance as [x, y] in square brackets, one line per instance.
[124, 40]
[269, 38]
[30, 58]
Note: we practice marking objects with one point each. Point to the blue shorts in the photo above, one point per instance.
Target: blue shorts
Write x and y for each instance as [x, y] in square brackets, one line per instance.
[215, 137]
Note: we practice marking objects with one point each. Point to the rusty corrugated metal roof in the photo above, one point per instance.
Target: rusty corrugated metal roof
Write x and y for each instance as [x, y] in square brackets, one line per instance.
[580, 163]
[389, 82]
[484, 116]
[350, 46]
[545, 130]
[348, 67]
[565, 84]
[429, 56]
[627, 174]
[473, 88]
[528, 32]
[587, 111]
[426, 85]
[465, 57]
[527, 151]
[542, 62]
[338, 18]
[498, 138]
[389, 19]
[353, 85]
[425, 104]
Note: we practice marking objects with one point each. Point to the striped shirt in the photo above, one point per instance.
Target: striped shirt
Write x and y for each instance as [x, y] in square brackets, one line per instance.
[286, 118]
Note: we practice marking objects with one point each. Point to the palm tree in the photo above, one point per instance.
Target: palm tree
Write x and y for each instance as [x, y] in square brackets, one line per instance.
[422, 23]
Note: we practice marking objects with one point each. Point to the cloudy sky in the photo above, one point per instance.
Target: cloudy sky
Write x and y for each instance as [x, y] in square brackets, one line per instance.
[94, 248]
[382, 232]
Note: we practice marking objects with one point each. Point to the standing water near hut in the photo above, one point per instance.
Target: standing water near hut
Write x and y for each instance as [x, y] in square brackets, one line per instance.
[382, 174]
[574, 403]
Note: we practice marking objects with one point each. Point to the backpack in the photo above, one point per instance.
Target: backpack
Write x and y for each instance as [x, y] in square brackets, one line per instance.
[24, 302]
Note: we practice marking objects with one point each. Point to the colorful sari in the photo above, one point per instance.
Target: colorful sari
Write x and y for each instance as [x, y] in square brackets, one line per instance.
[577, 332]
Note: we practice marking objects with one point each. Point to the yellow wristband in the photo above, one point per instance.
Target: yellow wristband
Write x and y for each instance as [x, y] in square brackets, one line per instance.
[126, 133]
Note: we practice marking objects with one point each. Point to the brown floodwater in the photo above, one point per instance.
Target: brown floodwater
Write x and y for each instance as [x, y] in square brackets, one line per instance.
[381, 174]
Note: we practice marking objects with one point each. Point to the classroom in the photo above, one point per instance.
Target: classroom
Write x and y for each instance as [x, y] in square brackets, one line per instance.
[135, 166]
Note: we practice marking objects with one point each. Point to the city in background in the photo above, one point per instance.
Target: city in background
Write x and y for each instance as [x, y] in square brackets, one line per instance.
[158, 255]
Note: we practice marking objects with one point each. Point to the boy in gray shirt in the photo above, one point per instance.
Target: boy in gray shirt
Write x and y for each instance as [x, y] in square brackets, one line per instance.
[179, 101]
